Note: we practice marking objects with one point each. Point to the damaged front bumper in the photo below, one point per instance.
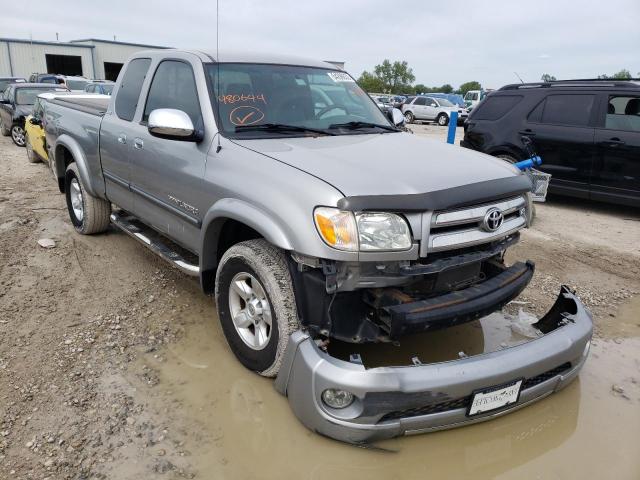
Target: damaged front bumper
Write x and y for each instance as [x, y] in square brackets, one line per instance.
[394, 401]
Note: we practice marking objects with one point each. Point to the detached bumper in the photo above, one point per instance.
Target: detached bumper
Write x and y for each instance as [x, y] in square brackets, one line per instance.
[393, 401]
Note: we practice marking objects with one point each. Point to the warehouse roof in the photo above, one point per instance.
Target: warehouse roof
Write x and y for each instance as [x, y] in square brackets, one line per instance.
[42, 42]
[117, 43]
[77, 43]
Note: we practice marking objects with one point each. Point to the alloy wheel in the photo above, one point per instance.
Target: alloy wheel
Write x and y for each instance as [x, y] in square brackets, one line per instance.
[250, 310]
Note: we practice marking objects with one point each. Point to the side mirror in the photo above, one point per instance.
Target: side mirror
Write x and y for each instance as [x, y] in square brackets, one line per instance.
[396, 117]
[171, 124]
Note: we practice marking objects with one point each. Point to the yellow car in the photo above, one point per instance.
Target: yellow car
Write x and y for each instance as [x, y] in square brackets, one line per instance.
[34, 134]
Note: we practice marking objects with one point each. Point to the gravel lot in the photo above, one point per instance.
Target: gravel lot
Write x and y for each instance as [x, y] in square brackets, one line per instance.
[112, 364]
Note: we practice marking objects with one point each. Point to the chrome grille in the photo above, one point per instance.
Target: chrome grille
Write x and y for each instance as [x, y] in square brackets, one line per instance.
[463, 227]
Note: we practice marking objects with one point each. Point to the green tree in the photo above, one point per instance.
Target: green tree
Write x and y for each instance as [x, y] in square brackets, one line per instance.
[395, 77]
[446, 88]
[420, 88]
[623, 74]
[548, 78]
[465, 87]
[370, 83]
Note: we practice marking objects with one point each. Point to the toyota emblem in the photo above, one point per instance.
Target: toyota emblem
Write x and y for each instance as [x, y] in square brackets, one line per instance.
[492, 220]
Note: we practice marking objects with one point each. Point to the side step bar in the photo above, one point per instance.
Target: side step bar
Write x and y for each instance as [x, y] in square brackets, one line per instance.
[154, 242]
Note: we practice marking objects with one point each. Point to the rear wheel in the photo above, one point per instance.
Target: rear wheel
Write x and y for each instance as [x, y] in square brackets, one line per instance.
[408, 117]
[31, 155]
[18, 135]
[442, 120]
[88, 214]
[256, 304]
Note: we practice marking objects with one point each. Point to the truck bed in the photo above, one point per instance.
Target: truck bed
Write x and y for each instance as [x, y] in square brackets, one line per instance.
[94, 105]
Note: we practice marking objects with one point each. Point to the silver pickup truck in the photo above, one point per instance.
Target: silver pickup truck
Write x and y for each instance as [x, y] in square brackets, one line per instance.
[316, 221]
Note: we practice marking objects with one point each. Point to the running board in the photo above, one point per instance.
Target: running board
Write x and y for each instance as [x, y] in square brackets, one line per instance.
[153, 241]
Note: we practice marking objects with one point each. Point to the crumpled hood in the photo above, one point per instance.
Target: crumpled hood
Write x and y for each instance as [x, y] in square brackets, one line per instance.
[384, 164]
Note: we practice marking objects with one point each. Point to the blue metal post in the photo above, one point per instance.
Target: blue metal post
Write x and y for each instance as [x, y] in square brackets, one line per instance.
[453, 123]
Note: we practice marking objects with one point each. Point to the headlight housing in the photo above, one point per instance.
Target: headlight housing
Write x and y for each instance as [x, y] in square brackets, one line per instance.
[366, 231]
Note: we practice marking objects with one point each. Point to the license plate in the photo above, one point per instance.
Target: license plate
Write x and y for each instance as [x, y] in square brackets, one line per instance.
[494, 398]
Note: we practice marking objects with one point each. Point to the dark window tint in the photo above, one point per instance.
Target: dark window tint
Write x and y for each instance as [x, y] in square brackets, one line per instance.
[495, 107]
[536, 114]
[568, 109]
[174, 86]
[129, 92]
[420, 101]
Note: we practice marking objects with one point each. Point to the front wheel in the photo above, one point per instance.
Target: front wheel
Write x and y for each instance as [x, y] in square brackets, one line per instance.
[256, 304]
[18, 135]
[442, 120]
[408, 117]
[88, 214]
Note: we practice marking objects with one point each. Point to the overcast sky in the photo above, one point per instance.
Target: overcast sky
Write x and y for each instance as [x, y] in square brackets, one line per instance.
[444, 42]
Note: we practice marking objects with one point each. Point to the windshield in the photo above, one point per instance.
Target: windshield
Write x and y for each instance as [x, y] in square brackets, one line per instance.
[107, 89]
[445, 103]
[27, 96]
[251, 95]
[76, 84]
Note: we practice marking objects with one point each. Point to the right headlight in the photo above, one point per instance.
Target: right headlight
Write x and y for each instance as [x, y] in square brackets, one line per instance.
[366, 231]
[382, 231]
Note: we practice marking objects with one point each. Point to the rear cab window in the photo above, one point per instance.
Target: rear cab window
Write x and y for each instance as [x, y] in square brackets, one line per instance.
[495, 107]
[130, 87]
[564, 109]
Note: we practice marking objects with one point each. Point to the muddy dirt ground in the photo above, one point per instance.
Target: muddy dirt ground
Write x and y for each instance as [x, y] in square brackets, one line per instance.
[113, 365]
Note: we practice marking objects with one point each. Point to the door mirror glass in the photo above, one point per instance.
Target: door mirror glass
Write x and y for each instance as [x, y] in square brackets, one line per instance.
[170, 123]
[397, 118]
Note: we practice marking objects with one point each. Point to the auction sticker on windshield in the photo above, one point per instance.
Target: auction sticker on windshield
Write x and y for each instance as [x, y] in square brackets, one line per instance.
[340, 77]
[495, 397]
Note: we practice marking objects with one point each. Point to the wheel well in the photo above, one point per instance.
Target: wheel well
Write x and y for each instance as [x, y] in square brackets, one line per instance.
[63, 158]
[220, 236]
[233, 232]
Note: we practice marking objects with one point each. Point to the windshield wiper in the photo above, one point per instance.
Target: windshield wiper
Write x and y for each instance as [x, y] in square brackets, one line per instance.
[359, 125]
[280, 127]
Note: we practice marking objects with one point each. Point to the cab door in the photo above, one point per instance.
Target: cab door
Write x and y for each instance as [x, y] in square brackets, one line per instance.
[166, 174]
[616, 175]
[116, 134]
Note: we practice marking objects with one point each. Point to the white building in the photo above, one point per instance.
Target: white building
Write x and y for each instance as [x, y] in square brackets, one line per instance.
[92, 58]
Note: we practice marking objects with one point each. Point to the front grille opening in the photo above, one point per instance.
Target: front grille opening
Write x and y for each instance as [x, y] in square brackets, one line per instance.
[465, 401]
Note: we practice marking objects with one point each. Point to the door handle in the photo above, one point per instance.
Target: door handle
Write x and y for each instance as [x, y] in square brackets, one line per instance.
[138, 143]
[528, 132]
[613, 142]
[122, 138]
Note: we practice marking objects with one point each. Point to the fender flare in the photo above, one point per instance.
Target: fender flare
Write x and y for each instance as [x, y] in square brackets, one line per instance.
[241, 211]
[94, 188]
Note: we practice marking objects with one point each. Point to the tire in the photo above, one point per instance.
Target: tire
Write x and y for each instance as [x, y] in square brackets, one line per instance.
[442, 120]
[31, 155]
[531, 206]
[409, 118]
[88, 214]
[5, 132]
[263, 268]
[18, 135]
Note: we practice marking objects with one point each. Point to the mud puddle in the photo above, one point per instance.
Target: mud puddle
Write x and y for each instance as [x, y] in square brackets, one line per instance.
[239, 427]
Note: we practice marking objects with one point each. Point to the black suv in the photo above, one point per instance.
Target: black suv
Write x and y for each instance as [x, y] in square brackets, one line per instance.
[586, 131]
